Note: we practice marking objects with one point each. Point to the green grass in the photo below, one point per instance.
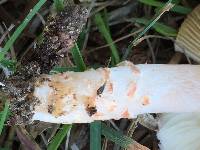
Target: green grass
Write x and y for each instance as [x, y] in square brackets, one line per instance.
[176, 8]
[8, 45]
[103, 28]
[80, 66]
[60, 135]
[59, 5]
[95, 135]
[148, 26]
[116, 136]
[95, 127]
[158, 27]
[4, 115]
[10, 64]
[78, 59]
[21, 27]
[7, 63]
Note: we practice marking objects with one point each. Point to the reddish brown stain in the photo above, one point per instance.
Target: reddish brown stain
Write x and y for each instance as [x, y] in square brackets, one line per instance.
[56, 98]
[90, 105]
[110, 87]
[145, 100]
[105, 72]
[135, 69]
[131, 90]
[65, 77]
[89, 101]
[112, 107]
[125, 114]
[91, 110]
[74, 96]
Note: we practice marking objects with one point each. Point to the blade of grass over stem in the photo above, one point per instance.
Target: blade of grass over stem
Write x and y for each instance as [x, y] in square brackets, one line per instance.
[3, 116]
[57, 140]
[106, 34]
[77, 57]
[167, 6]
[95, 127]
[95, 135]
[176, 8]
[21, 27]
[65, 128]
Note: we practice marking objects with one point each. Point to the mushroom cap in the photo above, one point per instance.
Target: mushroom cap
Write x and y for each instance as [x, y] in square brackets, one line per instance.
[188, 38]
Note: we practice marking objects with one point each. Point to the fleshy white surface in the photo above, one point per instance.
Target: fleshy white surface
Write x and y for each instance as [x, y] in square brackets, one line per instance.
[129, 90]
[179, 131]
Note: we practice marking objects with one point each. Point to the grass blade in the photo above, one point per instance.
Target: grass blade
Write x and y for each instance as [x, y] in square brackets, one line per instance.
[55, 143]
[176, 8]
[105, 19]
[4, 114]
[77, 57]
[95, 135]
[57, 140]
[167, 6]
[10, 64]
[81, 39]
[95, 127]
[116, 136]
[21, 27]
[120, 139]
[59, 5]
[106, 34]
[159, 27]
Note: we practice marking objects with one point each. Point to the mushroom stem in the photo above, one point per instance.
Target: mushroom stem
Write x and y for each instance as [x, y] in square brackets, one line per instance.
[119, 92]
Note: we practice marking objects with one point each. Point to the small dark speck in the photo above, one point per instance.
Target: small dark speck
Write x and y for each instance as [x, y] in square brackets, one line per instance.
[91, 110]
[101, 89]
[50, 109]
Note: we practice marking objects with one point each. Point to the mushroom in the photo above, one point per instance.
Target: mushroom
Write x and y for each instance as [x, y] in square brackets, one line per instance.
[124, 91]
[187, 40]
[179, 131]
